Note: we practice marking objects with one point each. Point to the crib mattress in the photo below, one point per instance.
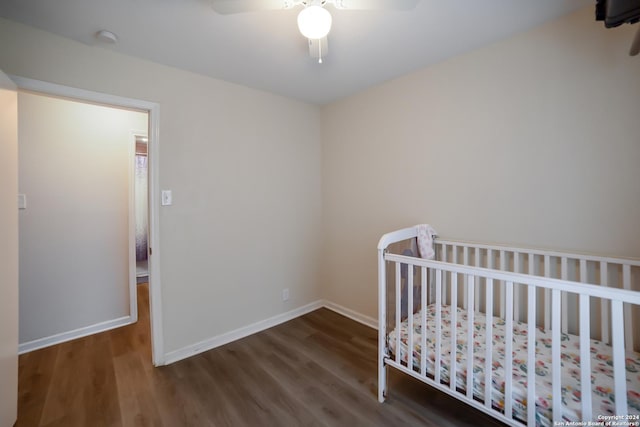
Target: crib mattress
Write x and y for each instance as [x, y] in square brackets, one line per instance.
[601, 365]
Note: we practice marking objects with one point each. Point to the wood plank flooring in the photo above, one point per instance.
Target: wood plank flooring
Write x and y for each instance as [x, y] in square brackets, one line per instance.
[316, 370]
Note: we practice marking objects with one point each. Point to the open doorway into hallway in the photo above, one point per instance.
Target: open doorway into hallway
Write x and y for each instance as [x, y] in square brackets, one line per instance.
[73, 206]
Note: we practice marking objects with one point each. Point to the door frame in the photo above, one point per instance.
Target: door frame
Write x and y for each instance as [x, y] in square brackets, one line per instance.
[153, 110]
[8, 251]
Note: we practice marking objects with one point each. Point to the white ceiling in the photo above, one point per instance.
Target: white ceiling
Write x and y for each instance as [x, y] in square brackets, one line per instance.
[264, 49]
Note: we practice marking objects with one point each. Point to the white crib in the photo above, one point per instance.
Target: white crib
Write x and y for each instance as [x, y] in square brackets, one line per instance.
[570, 316]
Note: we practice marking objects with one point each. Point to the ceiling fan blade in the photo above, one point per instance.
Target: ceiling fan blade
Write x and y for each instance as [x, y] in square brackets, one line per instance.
[376, 4]
[635, 45]
[227, 7]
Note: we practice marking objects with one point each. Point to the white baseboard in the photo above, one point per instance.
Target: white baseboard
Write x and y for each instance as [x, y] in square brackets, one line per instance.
[351, 314]
[205, 345]
[245, 331]
[72, 335]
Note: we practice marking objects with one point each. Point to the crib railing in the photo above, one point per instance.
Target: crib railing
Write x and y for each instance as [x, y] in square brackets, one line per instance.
[447, 278]
[604, 271]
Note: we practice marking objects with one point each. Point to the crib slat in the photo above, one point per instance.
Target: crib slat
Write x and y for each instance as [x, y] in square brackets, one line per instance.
[626, 284]
[531, 355]
[619, 369]
[398, 310]
[465, 261]
[430, 297]
[532, 271]
[604, 304]
[454, 332]
[443, 253]
[445, 286]
[516, 288]
[477, 294]
[565, 302]
[583, 271]
[585, 357]
[410, 316]
[454, 254]
[585, 346]
[470, 312]
[508, 353]
[437, 365]
[490, 263]
[444, 278]
[423, 330]
[547, 294]
[488, 367]
[556, 296]
[503, 267]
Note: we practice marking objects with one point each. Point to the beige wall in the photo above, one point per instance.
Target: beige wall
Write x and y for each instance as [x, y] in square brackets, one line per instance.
[8, 252]
[75, 165]
[244, 168]
[531, 141]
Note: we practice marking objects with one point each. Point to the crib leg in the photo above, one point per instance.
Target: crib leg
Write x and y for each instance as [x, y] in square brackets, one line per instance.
[382, 381]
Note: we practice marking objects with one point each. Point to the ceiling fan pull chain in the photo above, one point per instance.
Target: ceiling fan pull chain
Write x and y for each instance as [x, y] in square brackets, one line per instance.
[319, 51]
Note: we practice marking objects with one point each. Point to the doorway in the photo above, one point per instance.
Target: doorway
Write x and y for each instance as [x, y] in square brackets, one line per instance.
[141, 205]
[153, 274]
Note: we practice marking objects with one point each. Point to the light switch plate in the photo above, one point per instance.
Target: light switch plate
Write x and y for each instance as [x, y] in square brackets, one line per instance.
[22, 201]
[167, 198]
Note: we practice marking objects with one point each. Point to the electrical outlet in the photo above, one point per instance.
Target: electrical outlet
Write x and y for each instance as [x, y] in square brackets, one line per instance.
[285, 294]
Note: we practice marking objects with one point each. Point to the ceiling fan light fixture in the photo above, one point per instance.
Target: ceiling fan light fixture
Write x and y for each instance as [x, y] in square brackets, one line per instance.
[314, 22]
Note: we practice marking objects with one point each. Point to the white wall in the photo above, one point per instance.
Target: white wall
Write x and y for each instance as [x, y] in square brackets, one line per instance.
[244, 167]
[8, 252]
[75, 166]
[532, 141]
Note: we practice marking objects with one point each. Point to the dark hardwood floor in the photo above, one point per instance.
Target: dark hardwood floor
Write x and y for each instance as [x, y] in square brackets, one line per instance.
[316, 370]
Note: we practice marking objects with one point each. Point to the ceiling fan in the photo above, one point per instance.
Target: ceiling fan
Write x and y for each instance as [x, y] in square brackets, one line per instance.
[617, 12]
[314, 21]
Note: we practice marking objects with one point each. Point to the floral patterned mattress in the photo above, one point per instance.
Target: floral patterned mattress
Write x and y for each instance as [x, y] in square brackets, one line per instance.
[601, 365]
